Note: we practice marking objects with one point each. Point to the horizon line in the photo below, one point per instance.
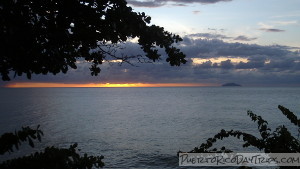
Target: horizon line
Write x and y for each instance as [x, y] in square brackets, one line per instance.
[103, 85]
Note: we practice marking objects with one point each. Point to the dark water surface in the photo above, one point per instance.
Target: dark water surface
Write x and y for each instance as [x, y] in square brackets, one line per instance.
[140, 127]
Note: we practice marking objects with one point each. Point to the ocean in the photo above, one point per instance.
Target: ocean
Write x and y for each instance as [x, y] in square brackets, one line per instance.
[141, 127]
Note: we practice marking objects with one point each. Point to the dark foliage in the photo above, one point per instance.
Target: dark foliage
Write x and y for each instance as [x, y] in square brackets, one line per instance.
[278, 141]
[8, 140]
[290, 115]
[49, 36]
[50, 158]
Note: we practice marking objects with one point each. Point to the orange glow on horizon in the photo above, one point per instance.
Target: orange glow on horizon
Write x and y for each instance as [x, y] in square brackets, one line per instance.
[49, 85]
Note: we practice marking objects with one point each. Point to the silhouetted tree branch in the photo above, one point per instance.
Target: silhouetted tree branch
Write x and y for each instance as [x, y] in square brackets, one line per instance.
[8, 140]
[278, 141]
[42, 36]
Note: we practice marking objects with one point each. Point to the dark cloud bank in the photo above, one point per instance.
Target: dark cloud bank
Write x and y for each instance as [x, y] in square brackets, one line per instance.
[274, 65]
[272, 30]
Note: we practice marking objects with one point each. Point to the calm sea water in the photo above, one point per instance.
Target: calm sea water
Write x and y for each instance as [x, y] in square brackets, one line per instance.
[140, 127]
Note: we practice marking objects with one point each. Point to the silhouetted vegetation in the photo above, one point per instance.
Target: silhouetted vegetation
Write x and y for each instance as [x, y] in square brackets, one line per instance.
[279, 141]
[41, 36]
[8, 140]
[50, 158]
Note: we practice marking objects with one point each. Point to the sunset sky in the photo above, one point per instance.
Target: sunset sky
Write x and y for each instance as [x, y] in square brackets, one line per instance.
[250, 42]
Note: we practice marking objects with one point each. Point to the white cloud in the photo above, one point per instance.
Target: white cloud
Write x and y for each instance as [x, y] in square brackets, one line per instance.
[285, 23]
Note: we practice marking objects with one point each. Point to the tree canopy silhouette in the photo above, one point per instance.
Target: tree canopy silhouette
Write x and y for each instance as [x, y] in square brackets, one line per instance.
[49, 36]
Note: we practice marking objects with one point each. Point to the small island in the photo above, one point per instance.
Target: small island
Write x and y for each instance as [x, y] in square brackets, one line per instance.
[230, 84]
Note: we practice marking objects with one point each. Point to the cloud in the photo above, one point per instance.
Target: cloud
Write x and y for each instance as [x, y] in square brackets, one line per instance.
[149, 4]
[244, 38]
[208, 48]
[209, 36]
[251, 65]
[274, 62]
[221, 36]
[196, 12]
[290, 22]
[271, 30]
[159, 3]
[179, 5]
[269, 27]
[226, 64]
